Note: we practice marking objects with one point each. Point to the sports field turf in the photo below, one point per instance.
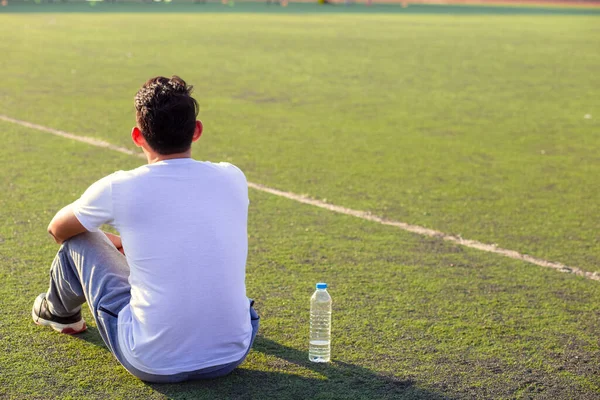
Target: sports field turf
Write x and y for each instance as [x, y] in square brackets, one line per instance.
[482, 126]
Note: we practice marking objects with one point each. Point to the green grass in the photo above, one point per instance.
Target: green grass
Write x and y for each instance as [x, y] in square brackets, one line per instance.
[470, 125]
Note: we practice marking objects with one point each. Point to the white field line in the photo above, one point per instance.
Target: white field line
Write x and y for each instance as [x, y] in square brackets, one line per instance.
[490, 248]
[67, 135]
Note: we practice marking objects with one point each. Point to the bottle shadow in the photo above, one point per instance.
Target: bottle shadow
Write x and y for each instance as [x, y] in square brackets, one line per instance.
[300, 379]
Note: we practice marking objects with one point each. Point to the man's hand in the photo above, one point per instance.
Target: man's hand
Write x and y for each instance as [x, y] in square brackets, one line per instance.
[65, 225]
[116, 240]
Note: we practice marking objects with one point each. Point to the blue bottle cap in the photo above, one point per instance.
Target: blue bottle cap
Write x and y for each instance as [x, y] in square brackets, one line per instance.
[321, 285]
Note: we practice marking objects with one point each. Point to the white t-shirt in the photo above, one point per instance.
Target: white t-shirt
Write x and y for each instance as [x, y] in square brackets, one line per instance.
[183, 224]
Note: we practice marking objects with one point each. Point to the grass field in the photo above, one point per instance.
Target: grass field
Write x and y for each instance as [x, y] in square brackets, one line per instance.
[471, 125]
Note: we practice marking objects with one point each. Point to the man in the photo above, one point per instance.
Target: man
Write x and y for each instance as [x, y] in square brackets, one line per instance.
[168, 295]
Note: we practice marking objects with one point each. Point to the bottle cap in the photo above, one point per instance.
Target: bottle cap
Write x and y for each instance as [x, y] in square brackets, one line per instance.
[321, 285]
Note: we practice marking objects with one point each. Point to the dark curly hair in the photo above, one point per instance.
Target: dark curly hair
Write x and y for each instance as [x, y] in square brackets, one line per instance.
[166, 114]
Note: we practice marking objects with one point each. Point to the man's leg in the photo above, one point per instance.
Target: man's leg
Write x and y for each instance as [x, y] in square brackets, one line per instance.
[89, 268]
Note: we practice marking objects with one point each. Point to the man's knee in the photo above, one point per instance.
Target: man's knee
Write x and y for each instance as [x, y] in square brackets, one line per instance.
[84, 239]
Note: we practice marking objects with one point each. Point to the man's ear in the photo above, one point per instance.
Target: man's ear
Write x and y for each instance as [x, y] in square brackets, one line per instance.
[198, 131]
[137, 137]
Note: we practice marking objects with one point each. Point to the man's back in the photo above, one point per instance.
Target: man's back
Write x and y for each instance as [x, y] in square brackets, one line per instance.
[183, 228]
[174, 308]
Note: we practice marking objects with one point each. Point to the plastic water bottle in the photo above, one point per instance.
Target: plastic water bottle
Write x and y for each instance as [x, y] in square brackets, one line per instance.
[319, 349]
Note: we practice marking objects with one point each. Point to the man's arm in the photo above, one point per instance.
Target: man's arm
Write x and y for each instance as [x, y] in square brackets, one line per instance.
[65, 225]
[116, 241]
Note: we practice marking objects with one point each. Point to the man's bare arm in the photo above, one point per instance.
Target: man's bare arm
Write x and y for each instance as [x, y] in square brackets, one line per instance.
[116, 241]
[65, 225]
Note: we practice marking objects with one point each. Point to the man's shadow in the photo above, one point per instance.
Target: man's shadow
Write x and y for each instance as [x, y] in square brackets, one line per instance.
[334, 380]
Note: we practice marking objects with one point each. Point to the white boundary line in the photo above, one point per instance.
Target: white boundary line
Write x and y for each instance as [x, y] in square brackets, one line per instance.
[490, 248]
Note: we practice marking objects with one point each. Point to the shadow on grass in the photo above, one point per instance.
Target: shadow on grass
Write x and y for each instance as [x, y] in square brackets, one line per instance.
[335, 380]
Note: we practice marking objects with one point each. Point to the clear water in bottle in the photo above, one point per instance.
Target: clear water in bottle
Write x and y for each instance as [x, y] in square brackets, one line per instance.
[319, 349]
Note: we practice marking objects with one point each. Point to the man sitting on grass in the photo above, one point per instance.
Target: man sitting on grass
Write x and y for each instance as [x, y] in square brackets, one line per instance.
[168, 295]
